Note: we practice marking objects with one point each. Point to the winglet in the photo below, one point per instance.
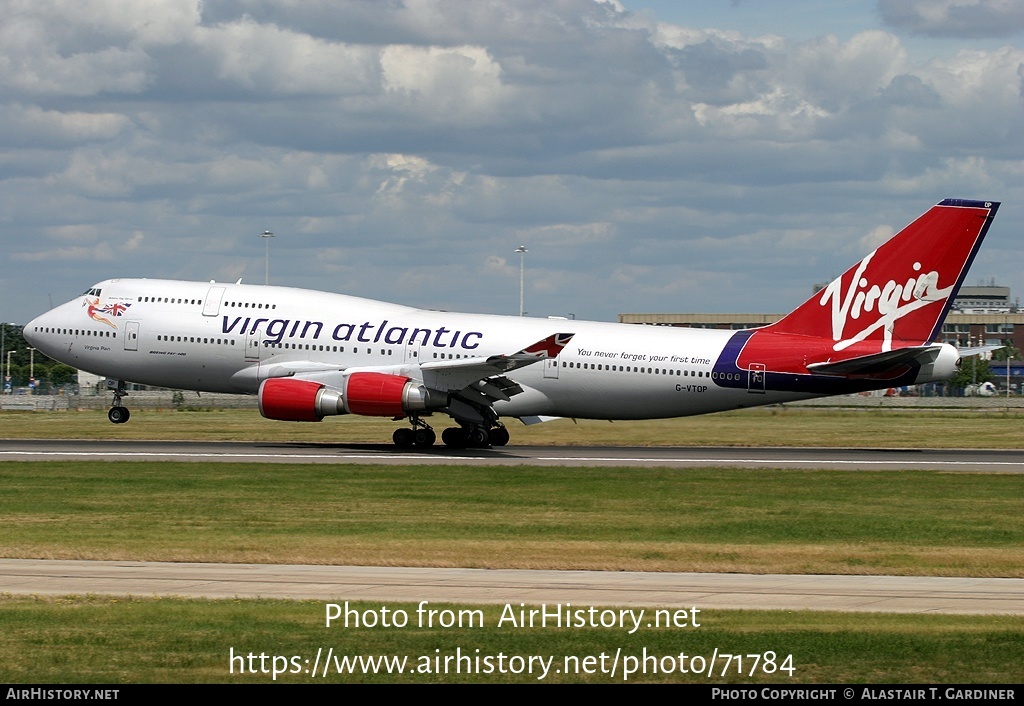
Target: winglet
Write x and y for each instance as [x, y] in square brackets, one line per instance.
[550, 347]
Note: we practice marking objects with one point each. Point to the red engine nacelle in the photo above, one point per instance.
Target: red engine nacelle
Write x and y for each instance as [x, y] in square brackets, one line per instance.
[293, 400]
[371, 394]
[377, 394]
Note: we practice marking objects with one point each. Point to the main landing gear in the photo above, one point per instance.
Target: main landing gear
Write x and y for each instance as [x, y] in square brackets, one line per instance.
[420, 436]
[476, 436]
[118, 413]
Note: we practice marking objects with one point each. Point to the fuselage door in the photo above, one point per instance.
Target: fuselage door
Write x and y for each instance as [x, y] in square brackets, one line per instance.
[213, 300]
[551, 368]
[131, 335]
[755, 378]
[253, 346]
[413, 351]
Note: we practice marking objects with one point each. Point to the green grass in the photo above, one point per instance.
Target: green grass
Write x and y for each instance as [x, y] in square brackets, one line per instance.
[773, 426]
[771, 521]
[762, 521]
[106, 640]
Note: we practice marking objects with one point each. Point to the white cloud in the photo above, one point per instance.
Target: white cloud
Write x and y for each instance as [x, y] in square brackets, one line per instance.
[876, 237]
[571, 235]
[101, 252]
[151, 22]
[76, 233]
[32, 63]
[403, 150]
[266, 58]
[955, 18]
[32, 125]
[444, 83]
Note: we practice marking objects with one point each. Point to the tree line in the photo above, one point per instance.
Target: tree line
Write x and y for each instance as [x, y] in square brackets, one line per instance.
[47, 371]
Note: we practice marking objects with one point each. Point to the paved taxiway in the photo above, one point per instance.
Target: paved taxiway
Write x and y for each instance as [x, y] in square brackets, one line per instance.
[902, 594]
[963, 460]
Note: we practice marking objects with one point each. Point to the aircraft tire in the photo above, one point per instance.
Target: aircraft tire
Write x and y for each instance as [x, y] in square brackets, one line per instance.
[478, 437]
[498, 436]
[454, 437]
[118, 415]
[423, 438]
[403, 438]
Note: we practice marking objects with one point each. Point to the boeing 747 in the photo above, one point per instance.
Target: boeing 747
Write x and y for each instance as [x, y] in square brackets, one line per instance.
[307, 355]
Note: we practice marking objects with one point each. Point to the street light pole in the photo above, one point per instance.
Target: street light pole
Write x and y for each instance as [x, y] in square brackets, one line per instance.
[1007, 328]
[31, 370]
[3, 348]
[267, 235]
[522, 267]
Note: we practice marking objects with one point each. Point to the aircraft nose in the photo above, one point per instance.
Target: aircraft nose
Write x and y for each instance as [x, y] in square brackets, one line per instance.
[34, 330]
[29, 332]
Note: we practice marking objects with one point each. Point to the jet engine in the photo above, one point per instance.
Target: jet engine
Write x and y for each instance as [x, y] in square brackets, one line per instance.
[370, 394]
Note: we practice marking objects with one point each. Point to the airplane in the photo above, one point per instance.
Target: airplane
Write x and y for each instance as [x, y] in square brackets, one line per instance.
[307, 355]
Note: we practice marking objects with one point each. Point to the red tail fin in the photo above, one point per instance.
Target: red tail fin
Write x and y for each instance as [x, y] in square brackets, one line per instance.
[899, 294]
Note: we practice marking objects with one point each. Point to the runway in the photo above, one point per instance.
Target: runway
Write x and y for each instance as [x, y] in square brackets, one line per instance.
[899, 594]
[721, 591]
[959, 460]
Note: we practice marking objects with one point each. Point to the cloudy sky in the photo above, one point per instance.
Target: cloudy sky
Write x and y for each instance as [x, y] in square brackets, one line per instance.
[652, 155]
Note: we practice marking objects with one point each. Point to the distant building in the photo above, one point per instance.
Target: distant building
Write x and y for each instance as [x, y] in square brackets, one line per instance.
[984, 300]
[89, 384]
[979, 316]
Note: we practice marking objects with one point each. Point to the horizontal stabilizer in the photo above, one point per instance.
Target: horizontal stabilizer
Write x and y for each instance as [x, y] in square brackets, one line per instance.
[876, 364]
[977, 350]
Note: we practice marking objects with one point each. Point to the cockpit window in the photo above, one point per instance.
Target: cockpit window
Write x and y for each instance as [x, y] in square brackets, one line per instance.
[92, 292]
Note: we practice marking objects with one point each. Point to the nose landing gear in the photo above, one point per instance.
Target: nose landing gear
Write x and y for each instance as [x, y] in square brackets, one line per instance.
[118, 413]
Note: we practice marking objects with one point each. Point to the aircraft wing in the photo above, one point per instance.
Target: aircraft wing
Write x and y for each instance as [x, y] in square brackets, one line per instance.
[469, 383]
[481, 378]
[549, 347]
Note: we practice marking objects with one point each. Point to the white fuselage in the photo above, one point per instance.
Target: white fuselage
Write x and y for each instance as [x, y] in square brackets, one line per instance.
[229, 337]
[307, 355]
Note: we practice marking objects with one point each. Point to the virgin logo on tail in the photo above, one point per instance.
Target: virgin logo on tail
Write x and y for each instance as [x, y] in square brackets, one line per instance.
[898, 295]
[892, 301]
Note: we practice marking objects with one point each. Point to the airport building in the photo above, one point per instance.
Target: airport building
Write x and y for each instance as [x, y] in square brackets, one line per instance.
[980, 316]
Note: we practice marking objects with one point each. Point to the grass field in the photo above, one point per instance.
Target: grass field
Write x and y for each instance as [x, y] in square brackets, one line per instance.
[771, 426]
[770, 521]
[106, 640]
[762, 521]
